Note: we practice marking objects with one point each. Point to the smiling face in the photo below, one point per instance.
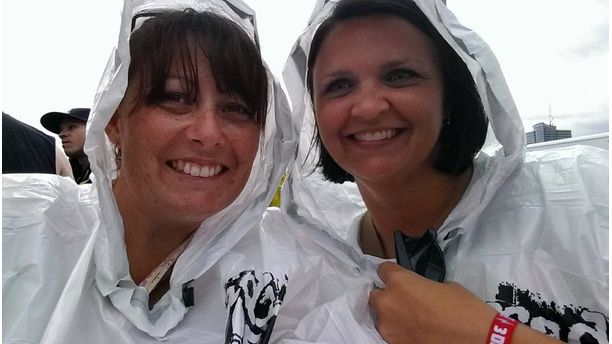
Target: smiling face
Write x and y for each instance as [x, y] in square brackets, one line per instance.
[186, 157]
[378, 98]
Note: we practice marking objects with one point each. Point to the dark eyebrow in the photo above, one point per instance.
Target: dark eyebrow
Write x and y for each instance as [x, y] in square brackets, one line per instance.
[340, 73]
[406, 61]
[394, 64]
[409, 61]
[415, 64]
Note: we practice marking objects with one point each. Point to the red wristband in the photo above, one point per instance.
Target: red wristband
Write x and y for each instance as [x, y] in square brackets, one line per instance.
[501, 330]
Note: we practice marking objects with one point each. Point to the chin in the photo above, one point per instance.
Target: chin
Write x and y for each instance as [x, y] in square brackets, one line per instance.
[379, 175]
[199, 210]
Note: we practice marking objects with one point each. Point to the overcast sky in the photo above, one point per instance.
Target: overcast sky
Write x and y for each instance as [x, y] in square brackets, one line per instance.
[554, 53]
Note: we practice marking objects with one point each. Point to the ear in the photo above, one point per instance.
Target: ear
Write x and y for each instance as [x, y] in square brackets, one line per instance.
[112, 129]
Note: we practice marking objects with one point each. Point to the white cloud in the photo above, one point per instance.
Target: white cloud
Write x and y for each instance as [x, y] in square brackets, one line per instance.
[553, 52]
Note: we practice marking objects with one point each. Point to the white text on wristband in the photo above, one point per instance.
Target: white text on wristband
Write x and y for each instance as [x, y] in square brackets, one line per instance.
[501, 330]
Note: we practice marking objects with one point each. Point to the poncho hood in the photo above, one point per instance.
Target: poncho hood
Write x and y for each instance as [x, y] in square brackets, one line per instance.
[303, 195]
[529, 235]
[217, 234]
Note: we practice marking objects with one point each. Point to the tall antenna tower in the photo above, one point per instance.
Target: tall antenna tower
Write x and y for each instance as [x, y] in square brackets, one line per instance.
[550, 116]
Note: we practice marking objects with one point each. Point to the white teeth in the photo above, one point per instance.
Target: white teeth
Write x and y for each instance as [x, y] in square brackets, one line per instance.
[376, 136]
[205, 172]
[210, 171]
[195, 169]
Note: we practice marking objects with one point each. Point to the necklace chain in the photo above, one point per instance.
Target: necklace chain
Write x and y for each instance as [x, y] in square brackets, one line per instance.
[153, 279]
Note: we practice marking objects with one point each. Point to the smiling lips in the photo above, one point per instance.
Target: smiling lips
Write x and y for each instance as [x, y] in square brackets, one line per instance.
[196, 170]
[375, 135]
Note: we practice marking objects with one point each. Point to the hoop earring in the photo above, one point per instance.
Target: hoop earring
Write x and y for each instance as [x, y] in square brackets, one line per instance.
[118, 155]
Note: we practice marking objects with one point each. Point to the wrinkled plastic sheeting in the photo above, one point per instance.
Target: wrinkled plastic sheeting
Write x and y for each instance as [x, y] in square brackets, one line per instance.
[30, 260]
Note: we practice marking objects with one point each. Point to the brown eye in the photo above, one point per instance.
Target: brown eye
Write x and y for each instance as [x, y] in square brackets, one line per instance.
[399, 76]
[176, 102]
[237, 112]
[338, 87]
[176, 98]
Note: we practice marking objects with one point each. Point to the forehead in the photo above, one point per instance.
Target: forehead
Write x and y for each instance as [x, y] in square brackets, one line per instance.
[389, 36]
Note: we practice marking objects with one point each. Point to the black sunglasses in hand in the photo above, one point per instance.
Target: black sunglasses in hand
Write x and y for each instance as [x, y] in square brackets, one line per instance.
[421, 255]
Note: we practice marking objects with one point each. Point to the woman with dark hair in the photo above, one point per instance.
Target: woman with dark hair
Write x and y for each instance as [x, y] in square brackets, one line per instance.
[188, 139]
[173, 242]
[401, 97]
[175, 141]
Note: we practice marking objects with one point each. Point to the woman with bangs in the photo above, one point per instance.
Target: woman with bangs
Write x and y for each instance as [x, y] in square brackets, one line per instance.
[149, 253]
[189, 127]
[173, 242]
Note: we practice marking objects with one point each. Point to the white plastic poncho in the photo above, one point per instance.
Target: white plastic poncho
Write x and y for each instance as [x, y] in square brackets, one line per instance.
[65, 271]
[529, 236]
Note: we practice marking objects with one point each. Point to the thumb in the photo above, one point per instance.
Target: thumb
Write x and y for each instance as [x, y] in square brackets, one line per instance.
[387, 271]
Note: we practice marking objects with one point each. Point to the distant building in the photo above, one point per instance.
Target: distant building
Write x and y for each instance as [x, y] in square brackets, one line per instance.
[543, 132]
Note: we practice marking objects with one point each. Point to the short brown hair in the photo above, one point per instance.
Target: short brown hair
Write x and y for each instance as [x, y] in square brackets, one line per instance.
[463, 135]
[170, 37]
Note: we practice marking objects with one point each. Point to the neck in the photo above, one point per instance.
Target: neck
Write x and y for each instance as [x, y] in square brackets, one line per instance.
[412, 206]
[148, 241]
[83, 160]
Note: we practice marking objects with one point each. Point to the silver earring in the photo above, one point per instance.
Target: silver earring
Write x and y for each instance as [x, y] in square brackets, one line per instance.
[118, 155]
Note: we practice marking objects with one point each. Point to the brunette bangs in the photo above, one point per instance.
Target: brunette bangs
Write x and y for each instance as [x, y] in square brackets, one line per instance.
[171, 40]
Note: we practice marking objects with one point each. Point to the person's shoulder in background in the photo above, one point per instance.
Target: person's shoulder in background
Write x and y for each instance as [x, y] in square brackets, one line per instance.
[26, 149]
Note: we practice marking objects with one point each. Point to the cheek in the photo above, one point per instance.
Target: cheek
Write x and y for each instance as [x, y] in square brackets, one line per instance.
[329, 120]
[424, 113]
[141, 139]
[246, 144]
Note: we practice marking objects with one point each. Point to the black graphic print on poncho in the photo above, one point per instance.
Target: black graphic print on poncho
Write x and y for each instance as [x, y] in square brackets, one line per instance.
[253, 300]
[569, 323]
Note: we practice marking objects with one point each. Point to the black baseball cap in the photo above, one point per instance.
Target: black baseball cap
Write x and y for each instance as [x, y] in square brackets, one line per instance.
[51, 121]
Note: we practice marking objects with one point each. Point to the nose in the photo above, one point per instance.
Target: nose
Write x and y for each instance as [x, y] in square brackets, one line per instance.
[205, 128]
[63, 133]
[370, 103]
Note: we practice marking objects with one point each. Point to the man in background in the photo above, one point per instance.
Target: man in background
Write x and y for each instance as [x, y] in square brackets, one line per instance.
[26, 149]
[70, 126]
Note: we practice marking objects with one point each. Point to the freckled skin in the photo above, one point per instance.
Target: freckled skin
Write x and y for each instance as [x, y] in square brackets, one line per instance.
[207, 133]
